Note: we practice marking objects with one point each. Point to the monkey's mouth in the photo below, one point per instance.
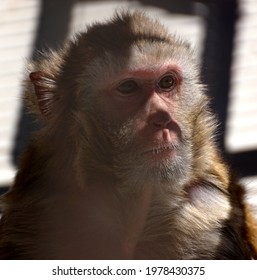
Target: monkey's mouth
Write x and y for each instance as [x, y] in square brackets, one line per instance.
[162, 150]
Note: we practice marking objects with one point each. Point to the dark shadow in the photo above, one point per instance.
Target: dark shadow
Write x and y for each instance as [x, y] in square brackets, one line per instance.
[244, 163]
[3, 190]
[217, 57]
[174, 6]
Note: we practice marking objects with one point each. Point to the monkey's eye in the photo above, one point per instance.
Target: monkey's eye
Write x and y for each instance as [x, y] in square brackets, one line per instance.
[128, 87]
[167, 82]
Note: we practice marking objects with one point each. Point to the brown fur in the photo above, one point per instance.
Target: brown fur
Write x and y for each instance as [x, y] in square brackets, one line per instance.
[82, 191]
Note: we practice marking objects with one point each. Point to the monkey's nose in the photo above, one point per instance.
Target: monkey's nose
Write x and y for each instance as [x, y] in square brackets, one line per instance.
[160, 120]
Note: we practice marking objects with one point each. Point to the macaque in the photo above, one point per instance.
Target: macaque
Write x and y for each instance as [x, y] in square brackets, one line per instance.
[125, 165]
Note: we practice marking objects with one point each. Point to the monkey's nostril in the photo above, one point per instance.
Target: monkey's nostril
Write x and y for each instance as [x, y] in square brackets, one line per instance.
[161, 122]
[157, 124]
[160, 119]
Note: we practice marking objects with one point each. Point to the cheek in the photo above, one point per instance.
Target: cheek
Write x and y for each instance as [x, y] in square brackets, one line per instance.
[114, 115]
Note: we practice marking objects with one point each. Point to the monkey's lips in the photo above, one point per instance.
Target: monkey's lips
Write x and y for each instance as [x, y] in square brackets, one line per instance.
[162, 151]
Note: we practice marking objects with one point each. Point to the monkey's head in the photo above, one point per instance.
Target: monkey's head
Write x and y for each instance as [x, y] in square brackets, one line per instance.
[127, 93]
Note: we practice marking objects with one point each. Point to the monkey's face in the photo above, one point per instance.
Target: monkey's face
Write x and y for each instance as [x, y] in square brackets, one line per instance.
[144, 100]
[142, 118]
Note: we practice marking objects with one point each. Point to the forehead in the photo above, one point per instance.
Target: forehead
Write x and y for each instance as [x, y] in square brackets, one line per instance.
[143, 56]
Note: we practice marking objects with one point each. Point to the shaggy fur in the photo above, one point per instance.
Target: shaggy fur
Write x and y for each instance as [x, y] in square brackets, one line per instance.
[84, 190]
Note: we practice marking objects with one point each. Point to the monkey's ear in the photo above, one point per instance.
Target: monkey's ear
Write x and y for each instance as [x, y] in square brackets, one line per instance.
[44, 88]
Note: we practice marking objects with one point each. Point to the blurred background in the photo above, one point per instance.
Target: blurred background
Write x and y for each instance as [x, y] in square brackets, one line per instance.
[223, 32]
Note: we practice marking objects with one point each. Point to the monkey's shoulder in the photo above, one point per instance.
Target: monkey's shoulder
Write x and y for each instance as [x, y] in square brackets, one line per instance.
[214, 215]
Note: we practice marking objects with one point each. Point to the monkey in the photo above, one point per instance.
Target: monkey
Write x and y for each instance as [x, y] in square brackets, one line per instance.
[126, 165]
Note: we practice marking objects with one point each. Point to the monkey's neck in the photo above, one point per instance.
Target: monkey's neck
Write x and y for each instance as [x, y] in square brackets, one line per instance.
[136, 217]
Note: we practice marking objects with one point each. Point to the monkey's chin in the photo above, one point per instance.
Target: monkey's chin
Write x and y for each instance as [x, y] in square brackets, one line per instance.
[159, 167]
[165, 165]
[169, 164]
[162, 173]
